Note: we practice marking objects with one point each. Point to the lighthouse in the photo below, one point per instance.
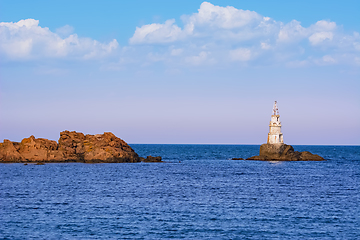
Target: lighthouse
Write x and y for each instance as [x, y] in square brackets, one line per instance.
[275, 135]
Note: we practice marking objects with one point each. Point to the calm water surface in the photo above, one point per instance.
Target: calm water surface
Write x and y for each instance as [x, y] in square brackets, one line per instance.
[205, 196]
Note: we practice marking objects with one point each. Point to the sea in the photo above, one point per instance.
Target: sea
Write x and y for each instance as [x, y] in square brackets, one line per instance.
[197, 193]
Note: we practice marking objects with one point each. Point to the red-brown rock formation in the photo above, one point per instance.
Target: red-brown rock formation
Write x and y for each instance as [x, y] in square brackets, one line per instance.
[72, 147]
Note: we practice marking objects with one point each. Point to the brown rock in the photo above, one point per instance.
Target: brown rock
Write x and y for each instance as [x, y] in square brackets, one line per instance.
[72, 146]
[33, 149]
[308, 156]
[107, 147]
[283, 152]
[152, 159]
[263, 158]
[9, 153]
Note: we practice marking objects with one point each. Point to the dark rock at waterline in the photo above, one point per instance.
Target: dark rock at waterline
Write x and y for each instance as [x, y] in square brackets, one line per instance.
[237, 159]
[283, 152]
[72, 147]
[152, 159]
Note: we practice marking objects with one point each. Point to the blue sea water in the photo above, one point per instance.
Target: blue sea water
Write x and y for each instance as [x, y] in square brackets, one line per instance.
[197, 194]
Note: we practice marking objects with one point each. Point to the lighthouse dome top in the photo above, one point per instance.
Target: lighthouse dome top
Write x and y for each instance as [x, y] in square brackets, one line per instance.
[275, 109]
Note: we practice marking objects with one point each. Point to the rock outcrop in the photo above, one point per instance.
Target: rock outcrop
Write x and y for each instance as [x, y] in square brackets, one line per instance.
[151, 159]
[72, 147]
[283, 152]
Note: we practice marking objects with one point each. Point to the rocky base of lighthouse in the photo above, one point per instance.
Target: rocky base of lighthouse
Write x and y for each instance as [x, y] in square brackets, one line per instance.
[283, 152]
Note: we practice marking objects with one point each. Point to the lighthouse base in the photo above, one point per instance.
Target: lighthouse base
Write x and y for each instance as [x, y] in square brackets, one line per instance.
[283, 152]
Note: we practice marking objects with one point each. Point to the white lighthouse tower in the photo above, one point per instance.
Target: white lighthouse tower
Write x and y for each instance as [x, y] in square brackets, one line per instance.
[275, 135]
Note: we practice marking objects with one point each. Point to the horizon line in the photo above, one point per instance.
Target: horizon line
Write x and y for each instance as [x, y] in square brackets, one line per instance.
[244, 144]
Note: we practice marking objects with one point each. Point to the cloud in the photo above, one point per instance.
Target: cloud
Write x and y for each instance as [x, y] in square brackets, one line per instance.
[26, 40]
[200, 59]
[231, 34]
[293, 31]
[319, 37]
[265, 46]
[65, 31]
[211, 16]
[328, 59]
[241, 54]
[324, 25]
[212, 35]
[157, 33]
[325, 60]
[233, 26]
[233, 23]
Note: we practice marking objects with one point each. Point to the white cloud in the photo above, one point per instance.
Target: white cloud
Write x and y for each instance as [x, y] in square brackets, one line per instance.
[211, 35]
[265, 45]
[232, 34]
[206, 22]
[325, 60]
[221, 17]
[328, 59]
[293, 31]
[27, 40]
[157, 33]
[319, 37]
[65, 31]
[202, 58]
[324, 25]
[241, 54]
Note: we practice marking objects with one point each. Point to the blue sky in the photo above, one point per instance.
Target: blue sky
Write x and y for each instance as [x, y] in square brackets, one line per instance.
[181, 71]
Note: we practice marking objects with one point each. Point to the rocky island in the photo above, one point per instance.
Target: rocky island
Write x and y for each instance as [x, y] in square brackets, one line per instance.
[283, 152]
[71, 147]
[275, 149]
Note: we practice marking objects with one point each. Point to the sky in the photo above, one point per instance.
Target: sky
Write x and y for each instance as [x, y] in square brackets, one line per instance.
[181, 71]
